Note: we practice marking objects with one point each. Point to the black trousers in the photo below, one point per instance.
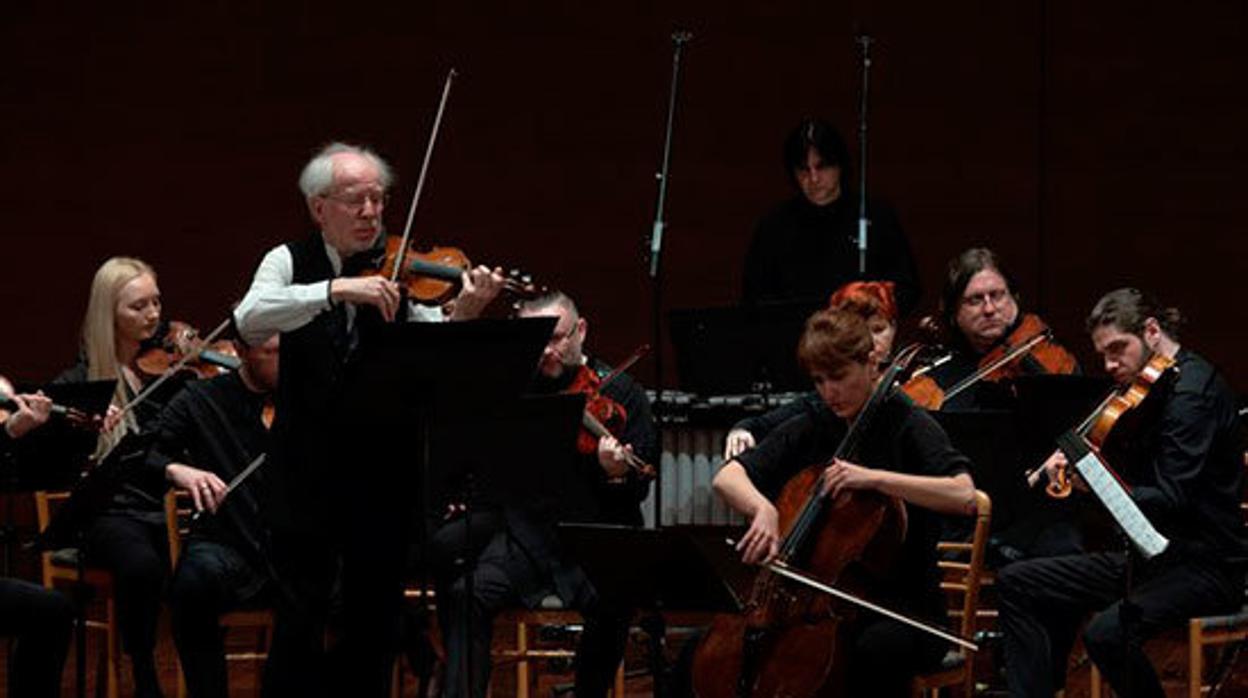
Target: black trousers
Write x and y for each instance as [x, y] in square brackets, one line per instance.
[1043, 601]
[211, 579]
[136, 552]
[503, 575]
[298, 665]
[886, 655]
[41, 621]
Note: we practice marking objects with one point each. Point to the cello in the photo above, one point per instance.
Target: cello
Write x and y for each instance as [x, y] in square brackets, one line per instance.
[787, 639]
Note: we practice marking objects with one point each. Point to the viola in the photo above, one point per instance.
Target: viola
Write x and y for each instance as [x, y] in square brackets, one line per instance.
[786, 641]
[1096, 427]
[603, 416]
[1029, 348]
[181, 345]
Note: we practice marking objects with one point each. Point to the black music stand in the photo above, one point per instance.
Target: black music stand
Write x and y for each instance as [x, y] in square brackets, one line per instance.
[652, 570]
[430, 405]
[738, 350]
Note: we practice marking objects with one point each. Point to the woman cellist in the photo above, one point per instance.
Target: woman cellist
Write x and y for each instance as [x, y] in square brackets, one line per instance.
[874, 301]
[904, 455]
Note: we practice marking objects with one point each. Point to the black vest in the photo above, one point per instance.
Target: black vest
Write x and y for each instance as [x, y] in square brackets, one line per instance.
[310, 381]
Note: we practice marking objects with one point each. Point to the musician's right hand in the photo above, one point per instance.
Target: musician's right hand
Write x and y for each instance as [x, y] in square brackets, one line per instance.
[376, 291]
[738, 442]
[761, 542]
[112, 417]
[207, 490]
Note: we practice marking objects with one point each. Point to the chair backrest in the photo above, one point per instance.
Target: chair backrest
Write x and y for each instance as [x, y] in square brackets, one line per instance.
[178, 511]
[46, 504]
[965, 578]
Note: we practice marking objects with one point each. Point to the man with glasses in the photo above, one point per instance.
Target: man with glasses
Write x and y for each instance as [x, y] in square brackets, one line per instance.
[979, 313]
[309, 292]
[517, 558]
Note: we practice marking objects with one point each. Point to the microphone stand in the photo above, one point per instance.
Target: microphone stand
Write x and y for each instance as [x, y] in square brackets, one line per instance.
[864, 43]
[680, 37]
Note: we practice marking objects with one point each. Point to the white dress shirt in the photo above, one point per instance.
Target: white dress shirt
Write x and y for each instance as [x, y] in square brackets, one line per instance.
[274, 304]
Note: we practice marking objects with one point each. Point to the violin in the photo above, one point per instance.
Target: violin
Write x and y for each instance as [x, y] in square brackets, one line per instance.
[1029, 348]
[787, 642]
[1096, 427]
[603, 416]
[181, 345]
[433, 277]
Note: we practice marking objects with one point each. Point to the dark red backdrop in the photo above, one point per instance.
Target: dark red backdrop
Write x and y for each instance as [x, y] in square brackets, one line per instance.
[1092, 146]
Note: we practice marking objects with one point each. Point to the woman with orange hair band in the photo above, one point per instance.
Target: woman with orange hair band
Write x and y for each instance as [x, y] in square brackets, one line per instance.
[875, 302]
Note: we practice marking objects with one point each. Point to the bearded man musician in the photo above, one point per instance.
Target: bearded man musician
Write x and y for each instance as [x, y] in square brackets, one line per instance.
[1183, 462]
[205, 437]
[520, 561]
[905, 454]
[305, 290]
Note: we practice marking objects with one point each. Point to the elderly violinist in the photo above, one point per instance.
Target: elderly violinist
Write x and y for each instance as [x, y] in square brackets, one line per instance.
[306, 291]
[519, 561]
[1183, 461]
[904, 454]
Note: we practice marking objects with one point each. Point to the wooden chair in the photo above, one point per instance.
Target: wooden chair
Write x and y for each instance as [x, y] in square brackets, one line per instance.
[962, 580]
[59, 568]
[527, 651]
[178, 511]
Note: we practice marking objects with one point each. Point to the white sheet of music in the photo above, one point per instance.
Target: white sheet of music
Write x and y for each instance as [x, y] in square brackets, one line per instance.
[1111, 493]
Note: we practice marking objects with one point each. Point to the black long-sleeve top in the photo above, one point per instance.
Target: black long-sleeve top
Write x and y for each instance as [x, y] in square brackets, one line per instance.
[217, 425]
[803, 252]
[618, 503]
[1184, 462]
[141, 493]
[901, 438]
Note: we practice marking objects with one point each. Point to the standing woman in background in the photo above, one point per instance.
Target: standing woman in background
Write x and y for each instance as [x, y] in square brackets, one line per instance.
[128, 536]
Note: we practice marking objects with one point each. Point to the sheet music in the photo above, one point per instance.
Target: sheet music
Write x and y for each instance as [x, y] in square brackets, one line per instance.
[1111, 493]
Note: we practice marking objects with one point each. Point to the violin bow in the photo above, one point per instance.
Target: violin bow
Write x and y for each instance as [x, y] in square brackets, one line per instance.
[624, 366]
[424, 170]
[115, 437]
[1009, 356]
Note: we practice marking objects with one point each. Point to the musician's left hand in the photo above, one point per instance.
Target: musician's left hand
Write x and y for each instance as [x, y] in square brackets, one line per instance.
[843, 475]
[481, 286]
[33, 411]
[613, 457]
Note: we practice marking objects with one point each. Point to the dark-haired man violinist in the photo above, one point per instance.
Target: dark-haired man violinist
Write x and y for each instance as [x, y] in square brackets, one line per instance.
[1184, 465]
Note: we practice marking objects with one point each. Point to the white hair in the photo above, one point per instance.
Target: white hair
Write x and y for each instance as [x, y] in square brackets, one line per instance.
[318, 175]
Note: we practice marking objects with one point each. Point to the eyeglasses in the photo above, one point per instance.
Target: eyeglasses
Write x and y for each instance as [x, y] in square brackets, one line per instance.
[997, 296]
[356, 202]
